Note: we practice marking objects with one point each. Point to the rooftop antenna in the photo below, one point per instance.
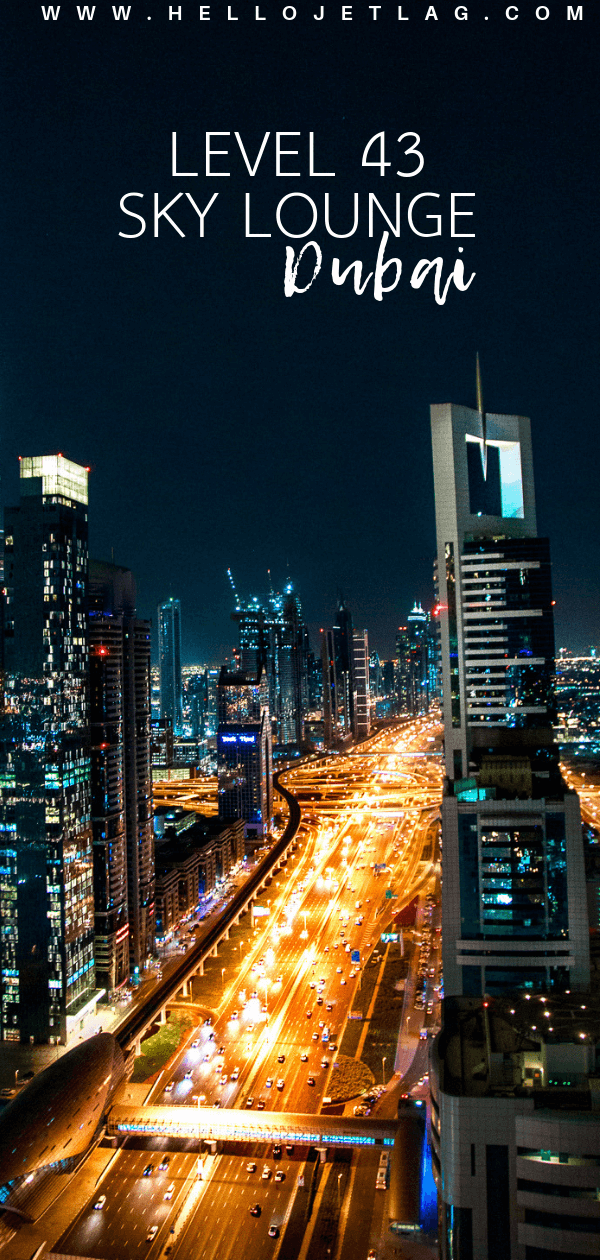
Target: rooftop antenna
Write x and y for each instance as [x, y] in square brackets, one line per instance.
[270, 583]
[482, 414]
[236, 596]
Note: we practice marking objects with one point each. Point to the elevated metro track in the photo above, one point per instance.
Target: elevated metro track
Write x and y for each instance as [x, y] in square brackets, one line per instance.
[135, 1024]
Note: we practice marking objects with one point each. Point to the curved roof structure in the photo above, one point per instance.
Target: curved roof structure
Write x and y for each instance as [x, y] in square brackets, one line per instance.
[47, 1129]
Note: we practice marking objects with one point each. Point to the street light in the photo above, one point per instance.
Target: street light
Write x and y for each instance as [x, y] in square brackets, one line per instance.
[199, 1162]
[338, 1191]
[223, 970]
[383, 1063]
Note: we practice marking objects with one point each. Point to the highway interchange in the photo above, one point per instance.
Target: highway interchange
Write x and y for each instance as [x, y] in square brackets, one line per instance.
[295, 983]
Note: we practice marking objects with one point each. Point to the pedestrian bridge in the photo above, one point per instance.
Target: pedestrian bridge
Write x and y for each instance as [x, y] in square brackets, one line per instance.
[216, 1124]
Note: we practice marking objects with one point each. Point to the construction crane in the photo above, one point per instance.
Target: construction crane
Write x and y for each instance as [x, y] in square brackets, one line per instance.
[235, 594]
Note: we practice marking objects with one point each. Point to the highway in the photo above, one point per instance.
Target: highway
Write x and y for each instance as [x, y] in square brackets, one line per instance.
[295, 983]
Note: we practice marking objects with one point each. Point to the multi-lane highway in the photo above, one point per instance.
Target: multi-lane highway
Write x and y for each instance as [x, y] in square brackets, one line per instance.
[366, 829]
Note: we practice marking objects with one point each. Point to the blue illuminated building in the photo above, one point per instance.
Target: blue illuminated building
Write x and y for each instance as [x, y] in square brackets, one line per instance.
[244, 755]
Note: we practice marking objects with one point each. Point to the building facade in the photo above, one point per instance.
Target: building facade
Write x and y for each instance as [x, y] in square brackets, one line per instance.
[169, 656]
[121, 775]
[244, 759]
[274, 638]
[47, 939]
[515, 1129]
[514, 885]
[338, 681]
[360, 669]
[415, 668]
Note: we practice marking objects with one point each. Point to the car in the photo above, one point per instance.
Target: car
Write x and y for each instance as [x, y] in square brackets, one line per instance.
[235, 1074]
[281, 1083]
[208, 1021]
[164, 1163]
[281, 1058]
[339, 971]
[169, 1087]
[332, 1047]
[152, 1232]
[195, 1044]
[266, 1173]
[269, 1082]
[256, 1210]
[423, 1034]
[260, 1106]
[170, 1190]
[289, 1148]
[280, 1175]
[304, 1058]
[319, 1001]
[234, 1015]
[224, 1080]
[327, 949]
[148, 1170]
[311, 1080]
[277, 1150]
[343, 981]
[279, 980]
[273, 1229]
[315, 1036]
[313, 984]
[309, 1014]
[207, 1057]
[211, 1036]
[372, 1254]
[360, 1110]
[100, 1203]
[249, 1102]
[251, 1166]
[187, 1076]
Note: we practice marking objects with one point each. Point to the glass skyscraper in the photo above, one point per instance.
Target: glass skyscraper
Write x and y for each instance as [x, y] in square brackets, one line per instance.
[244, 750]
[46, 867]
[121, 775]
[414, 666]
[272, 636]
[169, 655]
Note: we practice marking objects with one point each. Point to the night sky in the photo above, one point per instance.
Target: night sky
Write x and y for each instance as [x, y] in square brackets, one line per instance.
[227, 425]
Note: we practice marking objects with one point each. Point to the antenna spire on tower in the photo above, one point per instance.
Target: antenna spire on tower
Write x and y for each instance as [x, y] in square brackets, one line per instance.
[482, 414]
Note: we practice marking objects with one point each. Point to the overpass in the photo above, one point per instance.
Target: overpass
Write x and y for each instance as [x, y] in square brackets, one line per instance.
[130, 1032]
[229, 1125]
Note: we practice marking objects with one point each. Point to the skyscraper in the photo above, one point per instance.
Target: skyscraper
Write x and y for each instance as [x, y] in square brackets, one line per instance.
[169, 655]
[514, 892]
[121, 775]
[273, 637]
[360, 670]
[338, 691]
[47, 938]
[244, 750]
[413, 651]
